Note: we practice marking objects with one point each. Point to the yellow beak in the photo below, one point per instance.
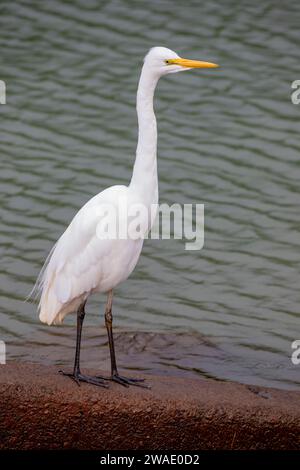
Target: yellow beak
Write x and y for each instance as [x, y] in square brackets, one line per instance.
[195, 64]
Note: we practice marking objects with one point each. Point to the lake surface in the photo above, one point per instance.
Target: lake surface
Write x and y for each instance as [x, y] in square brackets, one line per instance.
[228, 138]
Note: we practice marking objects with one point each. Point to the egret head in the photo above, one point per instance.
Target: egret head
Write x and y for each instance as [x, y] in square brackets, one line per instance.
[163, 61]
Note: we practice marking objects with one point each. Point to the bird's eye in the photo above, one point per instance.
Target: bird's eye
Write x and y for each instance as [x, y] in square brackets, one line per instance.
[167, 62]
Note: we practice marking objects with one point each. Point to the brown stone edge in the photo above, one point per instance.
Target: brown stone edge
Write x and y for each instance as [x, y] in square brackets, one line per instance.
[40, 409]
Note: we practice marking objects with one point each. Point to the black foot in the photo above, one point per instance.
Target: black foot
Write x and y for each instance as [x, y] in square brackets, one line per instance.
[125, 381]
[85, 378]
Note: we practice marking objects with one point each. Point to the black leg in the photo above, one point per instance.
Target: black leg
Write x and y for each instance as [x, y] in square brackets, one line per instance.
[80, 319]
[115, 376]
[76, 374]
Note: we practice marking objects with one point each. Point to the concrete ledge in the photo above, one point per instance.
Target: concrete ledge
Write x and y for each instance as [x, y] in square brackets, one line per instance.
[40, 409]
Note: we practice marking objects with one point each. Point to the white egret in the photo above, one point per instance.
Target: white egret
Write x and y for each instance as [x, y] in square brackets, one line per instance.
[82, 262]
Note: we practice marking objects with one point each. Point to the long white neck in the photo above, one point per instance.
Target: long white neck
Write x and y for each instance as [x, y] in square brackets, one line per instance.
[144, 176]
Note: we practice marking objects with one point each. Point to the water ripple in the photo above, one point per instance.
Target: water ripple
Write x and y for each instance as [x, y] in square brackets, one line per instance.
[228, 139]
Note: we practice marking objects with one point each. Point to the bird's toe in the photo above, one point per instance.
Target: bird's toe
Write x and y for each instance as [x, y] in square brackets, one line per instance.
[126, 381]
[78, 377]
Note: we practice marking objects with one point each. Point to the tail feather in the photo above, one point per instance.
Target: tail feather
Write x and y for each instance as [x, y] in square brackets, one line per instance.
[48, 304]
[37, 289]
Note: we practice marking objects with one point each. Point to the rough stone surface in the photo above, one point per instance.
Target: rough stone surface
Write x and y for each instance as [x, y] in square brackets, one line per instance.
[40, 409]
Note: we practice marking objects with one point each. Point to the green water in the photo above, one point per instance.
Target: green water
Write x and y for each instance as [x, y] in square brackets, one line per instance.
[228, 138]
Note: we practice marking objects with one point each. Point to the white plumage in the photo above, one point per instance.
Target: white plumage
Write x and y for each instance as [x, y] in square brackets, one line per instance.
[82, 263]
